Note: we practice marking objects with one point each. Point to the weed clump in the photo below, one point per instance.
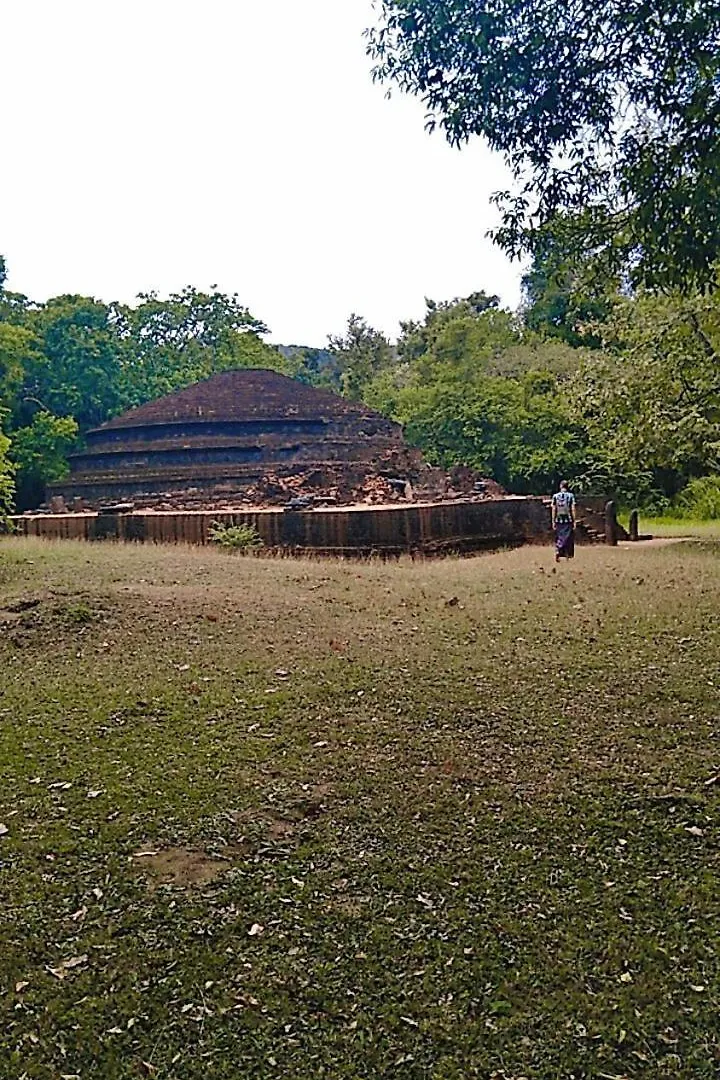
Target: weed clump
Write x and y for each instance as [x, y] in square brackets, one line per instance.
[243, 538]
[78, 614]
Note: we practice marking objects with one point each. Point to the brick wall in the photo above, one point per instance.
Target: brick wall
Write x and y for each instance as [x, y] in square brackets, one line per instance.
[428, 528]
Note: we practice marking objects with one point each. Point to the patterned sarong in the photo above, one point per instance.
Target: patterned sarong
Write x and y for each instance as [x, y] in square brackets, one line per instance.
[564, 538]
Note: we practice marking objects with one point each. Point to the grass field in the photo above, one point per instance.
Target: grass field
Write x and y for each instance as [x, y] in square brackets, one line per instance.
[299, 819]
[708, 530]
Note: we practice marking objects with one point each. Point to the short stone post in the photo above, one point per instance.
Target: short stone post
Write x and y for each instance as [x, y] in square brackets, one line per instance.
[611, 524]
[634, 529]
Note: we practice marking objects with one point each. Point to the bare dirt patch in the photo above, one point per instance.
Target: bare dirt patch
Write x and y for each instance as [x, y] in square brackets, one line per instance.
[182, 867]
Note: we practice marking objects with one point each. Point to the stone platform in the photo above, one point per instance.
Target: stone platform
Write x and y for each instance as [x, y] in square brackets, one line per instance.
[416, 528]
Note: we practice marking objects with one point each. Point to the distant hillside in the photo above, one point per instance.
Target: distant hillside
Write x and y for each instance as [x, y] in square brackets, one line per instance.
[322, 357]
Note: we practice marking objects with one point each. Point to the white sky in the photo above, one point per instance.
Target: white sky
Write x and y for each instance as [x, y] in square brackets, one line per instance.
[151, 144]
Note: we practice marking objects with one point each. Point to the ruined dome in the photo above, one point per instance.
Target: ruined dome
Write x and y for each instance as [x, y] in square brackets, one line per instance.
[221, 436]
[246, 395]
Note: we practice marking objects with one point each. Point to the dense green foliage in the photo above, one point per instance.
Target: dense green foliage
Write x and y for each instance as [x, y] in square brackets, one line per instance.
[361, 355]
[651, 399]
[472, 386]
[622, 394]
[7, 485]
[606, 112]
[700, 500]
[39, 453]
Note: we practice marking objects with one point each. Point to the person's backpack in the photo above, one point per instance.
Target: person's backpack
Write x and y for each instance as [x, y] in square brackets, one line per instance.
[563, 501]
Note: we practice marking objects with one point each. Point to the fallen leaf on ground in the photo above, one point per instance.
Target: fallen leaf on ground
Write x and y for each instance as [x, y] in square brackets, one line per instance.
[67, 965]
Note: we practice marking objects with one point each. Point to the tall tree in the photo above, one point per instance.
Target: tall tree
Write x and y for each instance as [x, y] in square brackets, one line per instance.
[606, 110]
[189, 337]
[75, 363]
[457, 331]
[360, 355]
[39, 454]
[651, 400]
[561, 299]
[17, 345]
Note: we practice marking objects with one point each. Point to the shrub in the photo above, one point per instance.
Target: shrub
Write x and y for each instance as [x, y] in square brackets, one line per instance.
[630, 489]
[235, 537]
[701, 499]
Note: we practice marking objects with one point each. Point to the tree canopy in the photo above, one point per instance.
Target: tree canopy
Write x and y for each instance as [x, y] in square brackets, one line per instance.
[620, 393]
[361, 354]
[473, 386]
[607, 112]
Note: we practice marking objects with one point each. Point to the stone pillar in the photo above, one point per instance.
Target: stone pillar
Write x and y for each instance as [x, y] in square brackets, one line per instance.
[611, 533]
[634, 529]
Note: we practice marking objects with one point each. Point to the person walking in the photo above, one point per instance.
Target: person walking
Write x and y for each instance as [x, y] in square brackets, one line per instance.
[563, 522]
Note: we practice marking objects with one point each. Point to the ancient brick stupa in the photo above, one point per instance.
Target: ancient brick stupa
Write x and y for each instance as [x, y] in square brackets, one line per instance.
[246, 435]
